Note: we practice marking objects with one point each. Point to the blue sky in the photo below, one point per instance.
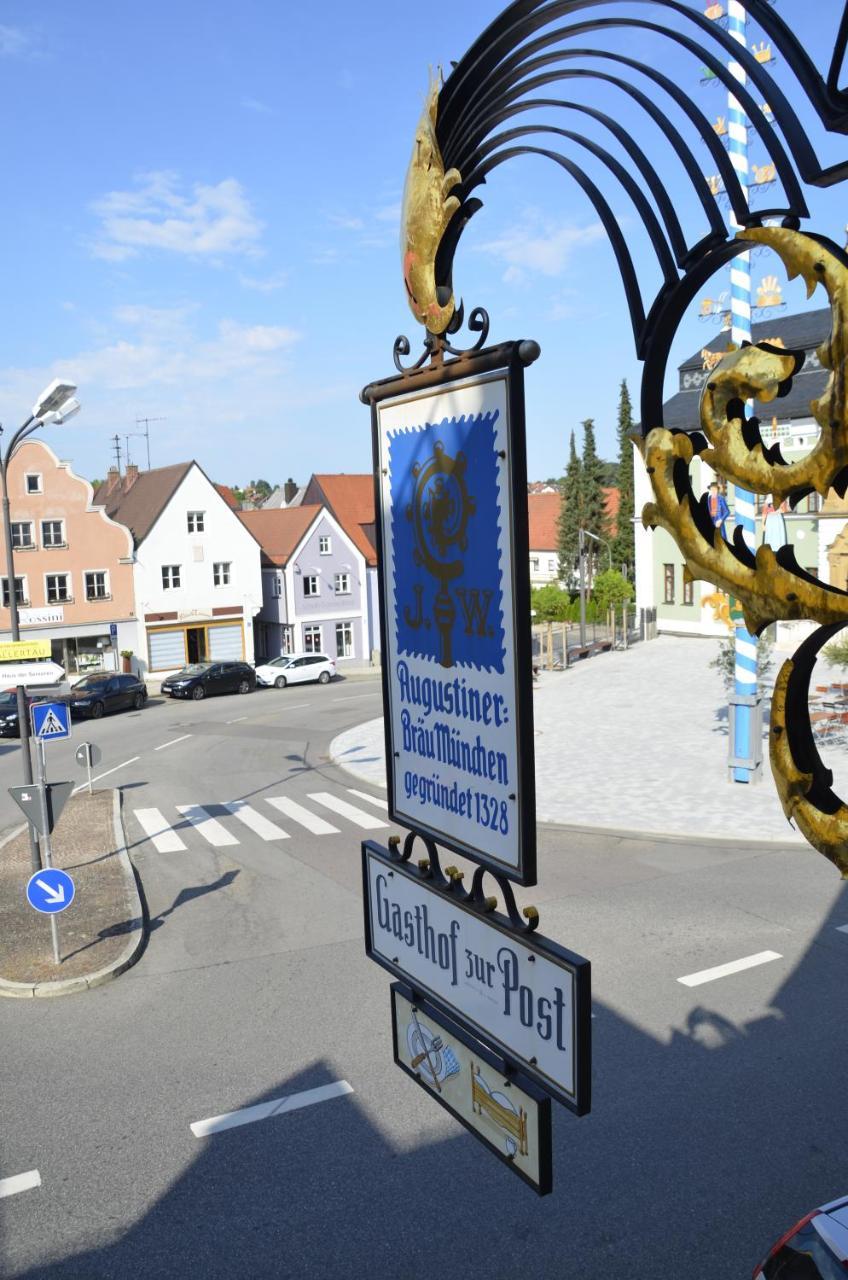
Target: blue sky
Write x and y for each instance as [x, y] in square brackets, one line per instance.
[201, 225]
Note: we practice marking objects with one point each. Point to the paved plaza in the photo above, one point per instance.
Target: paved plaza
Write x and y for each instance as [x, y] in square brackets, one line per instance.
[634, 741]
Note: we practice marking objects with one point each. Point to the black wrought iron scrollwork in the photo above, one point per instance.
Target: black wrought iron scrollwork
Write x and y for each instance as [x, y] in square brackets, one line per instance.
[402, 348]
[478, 322]
[438, 345]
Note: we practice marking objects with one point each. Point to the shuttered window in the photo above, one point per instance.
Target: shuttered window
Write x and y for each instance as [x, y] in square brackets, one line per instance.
[225, 642]
[167, 649]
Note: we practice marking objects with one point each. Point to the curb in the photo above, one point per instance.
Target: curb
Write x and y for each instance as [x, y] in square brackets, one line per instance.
[132, 951]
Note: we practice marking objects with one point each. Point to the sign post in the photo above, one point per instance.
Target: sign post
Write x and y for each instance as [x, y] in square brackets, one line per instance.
[87, 754]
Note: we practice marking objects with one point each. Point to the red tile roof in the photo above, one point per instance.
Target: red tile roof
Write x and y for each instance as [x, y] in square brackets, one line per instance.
[278, 530]
[544, 509]
[351, 501]
[228, 496]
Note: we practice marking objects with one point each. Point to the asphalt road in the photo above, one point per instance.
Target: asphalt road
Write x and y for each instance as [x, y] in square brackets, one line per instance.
[718, 1112]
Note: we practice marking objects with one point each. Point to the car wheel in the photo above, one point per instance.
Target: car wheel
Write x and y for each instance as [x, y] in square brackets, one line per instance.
[324, 677]
[244, 686]
[97, 710]
[138, 701]
[280, 682]
[198, 692]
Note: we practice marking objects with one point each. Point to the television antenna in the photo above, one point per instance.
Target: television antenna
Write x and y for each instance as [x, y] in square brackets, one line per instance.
[146, 432]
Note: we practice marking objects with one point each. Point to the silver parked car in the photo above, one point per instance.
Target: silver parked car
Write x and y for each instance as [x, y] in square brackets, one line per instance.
[296, 668]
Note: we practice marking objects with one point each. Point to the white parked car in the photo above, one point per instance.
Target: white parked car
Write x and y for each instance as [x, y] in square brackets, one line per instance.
[296, 668]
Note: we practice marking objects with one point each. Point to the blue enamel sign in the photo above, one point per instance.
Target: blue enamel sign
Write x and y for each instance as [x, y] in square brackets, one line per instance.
[51, 720]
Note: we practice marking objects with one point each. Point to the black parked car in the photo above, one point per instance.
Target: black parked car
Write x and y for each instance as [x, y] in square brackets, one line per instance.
[96, 694]
[203, 679]
[9, 727]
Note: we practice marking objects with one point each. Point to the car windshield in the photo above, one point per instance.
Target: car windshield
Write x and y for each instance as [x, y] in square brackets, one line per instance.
[8, 698]
[280, 662]
[194, 669]
[90, 682]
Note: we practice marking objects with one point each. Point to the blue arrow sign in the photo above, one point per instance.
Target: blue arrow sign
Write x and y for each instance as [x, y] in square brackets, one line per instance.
[51, 720]
[50, 890]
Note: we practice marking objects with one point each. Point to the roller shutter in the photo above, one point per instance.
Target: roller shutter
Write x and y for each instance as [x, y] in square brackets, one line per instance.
[167, 649]
[225, 642]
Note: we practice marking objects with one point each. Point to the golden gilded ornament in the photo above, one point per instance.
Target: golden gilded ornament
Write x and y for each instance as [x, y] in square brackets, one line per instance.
[428, 207]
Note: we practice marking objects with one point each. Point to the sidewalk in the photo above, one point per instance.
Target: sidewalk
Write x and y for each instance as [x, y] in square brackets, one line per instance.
[101, 933]
[634, 741]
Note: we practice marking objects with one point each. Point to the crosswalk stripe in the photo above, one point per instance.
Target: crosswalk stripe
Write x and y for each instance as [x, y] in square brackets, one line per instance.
[262, 826]
[162, 835]
[363, 795]
[209, 827]
[358, 816]
[297, 813]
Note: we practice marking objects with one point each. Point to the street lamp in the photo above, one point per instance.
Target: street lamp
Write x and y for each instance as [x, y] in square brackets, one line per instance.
[56, 404]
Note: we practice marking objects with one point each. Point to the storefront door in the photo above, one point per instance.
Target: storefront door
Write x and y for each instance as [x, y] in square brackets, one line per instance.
[196, 644]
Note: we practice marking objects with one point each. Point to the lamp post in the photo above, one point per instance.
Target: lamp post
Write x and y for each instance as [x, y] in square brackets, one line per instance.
[54, 405]
[595, 538]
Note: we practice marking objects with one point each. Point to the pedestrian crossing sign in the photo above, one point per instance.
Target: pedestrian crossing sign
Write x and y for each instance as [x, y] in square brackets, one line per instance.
[51, 720]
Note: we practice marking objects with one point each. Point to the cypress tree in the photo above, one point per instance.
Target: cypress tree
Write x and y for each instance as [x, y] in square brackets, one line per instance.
[569, 517]
[593, 505]
[623, 548]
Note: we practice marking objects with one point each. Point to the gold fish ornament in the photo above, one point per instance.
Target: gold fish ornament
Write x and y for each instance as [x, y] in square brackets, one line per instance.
[428, 207]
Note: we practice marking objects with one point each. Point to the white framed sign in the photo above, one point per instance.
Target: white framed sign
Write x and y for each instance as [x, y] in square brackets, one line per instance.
[516, 992]
[41, 617]
[455, 608]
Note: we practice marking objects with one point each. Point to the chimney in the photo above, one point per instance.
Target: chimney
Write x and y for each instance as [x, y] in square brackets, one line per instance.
[113, 479]
[131, 475]
[289, 491]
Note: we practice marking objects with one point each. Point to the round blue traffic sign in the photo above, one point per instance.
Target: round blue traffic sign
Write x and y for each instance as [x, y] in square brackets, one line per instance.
[50, 890]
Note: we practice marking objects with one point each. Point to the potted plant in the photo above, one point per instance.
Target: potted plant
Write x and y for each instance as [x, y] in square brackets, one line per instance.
[127, 654]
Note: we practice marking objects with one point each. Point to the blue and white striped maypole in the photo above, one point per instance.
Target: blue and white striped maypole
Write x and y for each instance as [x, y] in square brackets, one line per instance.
[740, 314]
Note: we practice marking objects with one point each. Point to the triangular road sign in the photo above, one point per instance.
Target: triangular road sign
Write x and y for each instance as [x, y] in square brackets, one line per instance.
[58, 794]
[29, 800]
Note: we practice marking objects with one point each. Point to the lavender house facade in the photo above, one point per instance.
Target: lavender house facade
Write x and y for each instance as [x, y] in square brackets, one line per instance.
[314, 586]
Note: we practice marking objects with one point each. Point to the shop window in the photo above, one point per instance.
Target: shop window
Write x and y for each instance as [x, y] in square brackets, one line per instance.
[312, 639]
[668, 572]
[342, 584]
[311, 586]
[195, 521]
[221, 573]
[58, 587]
[325, 545]
[22, 534]
[97, 585]
[52, 533]
[20, 591]
[33, 483]
[170, 576]
[344, 640]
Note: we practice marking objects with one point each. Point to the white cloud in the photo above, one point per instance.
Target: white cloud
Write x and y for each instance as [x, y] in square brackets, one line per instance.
[15, 43]
[389, 213]
[539, 248]
[211, 220]
[261, 108]
[265, 284]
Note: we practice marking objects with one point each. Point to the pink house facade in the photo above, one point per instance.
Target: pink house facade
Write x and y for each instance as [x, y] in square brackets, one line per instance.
[73, 566]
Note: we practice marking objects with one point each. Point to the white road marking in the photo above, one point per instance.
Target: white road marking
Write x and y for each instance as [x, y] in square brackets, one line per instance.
[163, 835]
[297, 813]
[357, 697]
[237, 719]
[842, 928]
[21, 1182]
[173, 741]
[123, 765]
[209, 827]
[724, 970]
[358, 816]
[262, 826]
[363, 795]
[265, 1110]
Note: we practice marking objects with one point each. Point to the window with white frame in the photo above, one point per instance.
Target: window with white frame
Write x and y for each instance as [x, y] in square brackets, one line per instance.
[311, 586]
[344, 640]
[325, 545]
[277, 585]
[32, 482]
[96, 584]
[195, 521]
[342, 584]
[534, 564]
[22, 534]
[58, 587]
[20, 591]
[221, 573]
[52, 533]
[170, 576]
[311, 639]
